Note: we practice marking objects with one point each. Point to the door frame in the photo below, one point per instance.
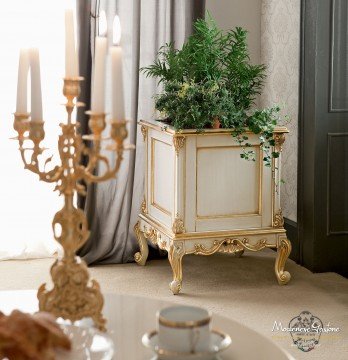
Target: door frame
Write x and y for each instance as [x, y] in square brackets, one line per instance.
[306, 134]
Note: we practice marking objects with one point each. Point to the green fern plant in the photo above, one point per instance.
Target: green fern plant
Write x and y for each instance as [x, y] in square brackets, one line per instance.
[210, 78]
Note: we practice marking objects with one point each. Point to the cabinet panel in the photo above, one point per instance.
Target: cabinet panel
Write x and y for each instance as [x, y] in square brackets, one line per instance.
[227, 185]
[161, 178]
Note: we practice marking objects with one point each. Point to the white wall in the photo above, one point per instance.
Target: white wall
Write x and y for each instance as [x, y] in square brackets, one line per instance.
[245, 13]
[280, 51]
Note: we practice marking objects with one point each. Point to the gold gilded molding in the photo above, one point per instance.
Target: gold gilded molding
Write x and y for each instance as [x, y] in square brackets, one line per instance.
[233, 244]
[160, 126]
[151, 234]
[178, 142]
[144, 131]
[279, 139]
[178, 226]
[283, 252]
[144, 207]
[278, 220]
[210, 234]
[231, 248]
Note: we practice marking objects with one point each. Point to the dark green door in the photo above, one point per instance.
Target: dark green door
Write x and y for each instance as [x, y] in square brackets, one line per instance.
[323, 155]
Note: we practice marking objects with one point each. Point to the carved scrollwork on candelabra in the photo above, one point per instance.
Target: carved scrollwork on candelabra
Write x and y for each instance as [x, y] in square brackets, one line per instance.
[73, 296]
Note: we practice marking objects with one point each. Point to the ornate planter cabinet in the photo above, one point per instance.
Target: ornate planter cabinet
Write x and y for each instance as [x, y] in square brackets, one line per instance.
[201, 197]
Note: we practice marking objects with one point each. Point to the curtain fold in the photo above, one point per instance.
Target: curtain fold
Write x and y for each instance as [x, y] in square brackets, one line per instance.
[113, 207]
[86, 20]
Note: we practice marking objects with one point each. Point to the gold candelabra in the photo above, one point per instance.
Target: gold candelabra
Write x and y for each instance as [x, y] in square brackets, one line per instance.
[73, 295]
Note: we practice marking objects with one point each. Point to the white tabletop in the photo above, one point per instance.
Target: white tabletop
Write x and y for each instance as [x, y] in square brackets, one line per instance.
[129, 317]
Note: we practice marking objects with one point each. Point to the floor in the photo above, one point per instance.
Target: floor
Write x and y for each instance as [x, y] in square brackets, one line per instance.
[244, 289]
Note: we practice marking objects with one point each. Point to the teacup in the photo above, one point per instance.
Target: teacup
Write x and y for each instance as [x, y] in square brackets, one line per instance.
[184, 329]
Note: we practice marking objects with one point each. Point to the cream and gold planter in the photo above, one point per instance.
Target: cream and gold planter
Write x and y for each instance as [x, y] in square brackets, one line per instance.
[201, 197]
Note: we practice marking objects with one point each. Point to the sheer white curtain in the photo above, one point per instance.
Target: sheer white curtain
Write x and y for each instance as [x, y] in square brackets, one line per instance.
[27, 206]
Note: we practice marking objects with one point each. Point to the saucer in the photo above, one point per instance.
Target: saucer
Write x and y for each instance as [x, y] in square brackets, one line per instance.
[219, 342]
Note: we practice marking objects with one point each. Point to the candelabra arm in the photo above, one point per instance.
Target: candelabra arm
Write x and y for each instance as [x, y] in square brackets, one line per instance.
[36, 134]
[118, 134]
[108, 174]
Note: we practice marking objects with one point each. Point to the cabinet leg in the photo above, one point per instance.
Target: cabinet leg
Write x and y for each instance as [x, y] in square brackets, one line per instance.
[175, 255]
[141, 256]
[283, 252]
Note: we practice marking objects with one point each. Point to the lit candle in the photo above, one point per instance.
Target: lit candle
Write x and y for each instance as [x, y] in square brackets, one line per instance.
[36, 97]
[71, 59]
[22, 85]
[98, 90]
[118, 112]
[103, 24]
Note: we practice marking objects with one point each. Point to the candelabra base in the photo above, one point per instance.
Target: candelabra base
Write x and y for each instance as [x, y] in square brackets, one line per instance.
[72, 297]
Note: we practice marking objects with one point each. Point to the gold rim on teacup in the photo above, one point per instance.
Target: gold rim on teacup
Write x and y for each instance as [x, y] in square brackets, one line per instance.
[225, 343]
[183, 324]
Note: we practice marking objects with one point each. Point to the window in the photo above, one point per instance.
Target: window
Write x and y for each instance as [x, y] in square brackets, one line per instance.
[27, 206]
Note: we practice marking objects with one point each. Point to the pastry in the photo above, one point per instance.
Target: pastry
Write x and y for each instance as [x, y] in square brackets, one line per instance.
[30, 337]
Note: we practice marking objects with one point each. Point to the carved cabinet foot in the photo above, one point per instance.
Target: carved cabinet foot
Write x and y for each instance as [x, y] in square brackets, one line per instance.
[141, 256]
[175, 255]
[283, 252]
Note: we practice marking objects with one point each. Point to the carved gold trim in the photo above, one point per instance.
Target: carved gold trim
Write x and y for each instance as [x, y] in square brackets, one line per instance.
[176, 252]
[231, 248]
[144, 131]
[178, 142]
[141, 256]
[160, 126]
[233, 244]
[151, 235]
[283, 252]
[278, 220]
[178, 226]
[209, 234]
[279, 139]
[144, 207]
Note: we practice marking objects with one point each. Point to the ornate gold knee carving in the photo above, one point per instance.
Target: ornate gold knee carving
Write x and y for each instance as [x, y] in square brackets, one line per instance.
[175, 255]
[141, 256]
[283, 252]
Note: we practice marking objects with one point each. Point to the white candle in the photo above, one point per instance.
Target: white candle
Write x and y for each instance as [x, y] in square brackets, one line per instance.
[71, 58]
[98, 90]
[36, 97]
[118, 112]
[22, 85]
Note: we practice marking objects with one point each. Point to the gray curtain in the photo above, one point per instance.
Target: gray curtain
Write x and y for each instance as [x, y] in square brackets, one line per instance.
[113, 206]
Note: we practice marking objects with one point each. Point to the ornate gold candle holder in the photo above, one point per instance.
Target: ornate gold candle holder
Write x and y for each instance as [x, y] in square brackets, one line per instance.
[73, 295]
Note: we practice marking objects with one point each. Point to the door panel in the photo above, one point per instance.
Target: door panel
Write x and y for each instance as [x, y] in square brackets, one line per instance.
[339, 56]
[323, 155]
